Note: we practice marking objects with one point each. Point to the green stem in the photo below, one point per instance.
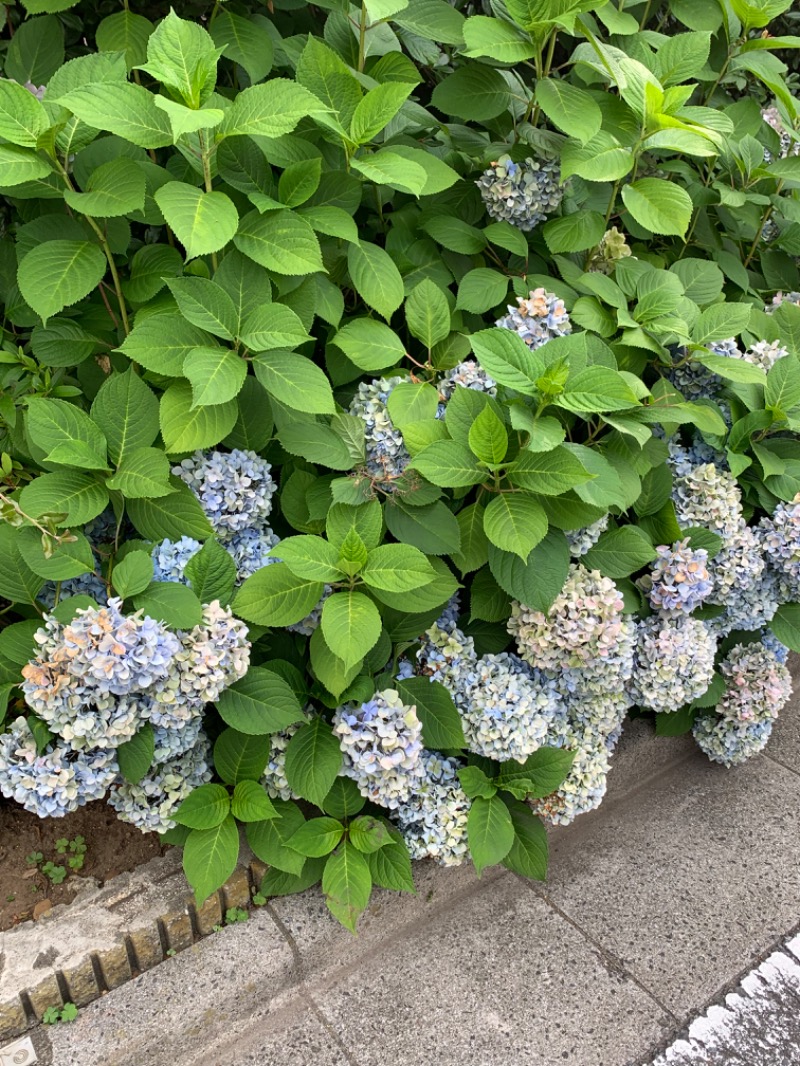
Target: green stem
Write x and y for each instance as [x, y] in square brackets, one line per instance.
[612, 203]
[207, 179]
[764, 220]
[362, 37]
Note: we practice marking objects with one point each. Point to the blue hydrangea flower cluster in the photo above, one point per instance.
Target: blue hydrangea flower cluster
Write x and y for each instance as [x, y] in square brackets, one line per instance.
[433, 820]
[683, 458]
[235, 489]
[780, 542]
[758, 686]
[523, 194]
[674, 662]
[306, 626]
[679, 580]
[583, 540]
[449, 616]
[170, 558]
[88, 584]
[538, 318]
[468, 375]
[151, 803]
[382, 745]
[710, 497]
[387, 456]
[250, 550]
[274, 777]
[586, 783]
[56, 782]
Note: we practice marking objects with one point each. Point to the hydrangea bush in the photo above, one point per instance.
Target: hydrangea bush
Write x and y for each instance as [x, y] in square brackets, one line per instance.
[394, 398]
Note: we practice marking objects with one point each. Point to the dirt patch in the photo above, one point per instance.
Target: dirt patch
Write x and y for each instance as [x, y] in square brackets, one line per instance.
[111, 848]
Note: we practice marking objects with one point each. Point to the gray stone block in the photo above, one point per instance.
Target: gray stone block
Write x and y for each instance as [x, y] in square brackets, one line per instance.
[686, 879]
[498, 978]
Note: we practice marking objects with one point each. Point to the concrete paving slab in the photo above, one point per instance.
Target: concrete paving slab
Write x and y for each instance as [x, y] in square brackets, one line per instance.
[176, 1009]
[688, 877]
[640, 755]
[496, 978]
[784, 744]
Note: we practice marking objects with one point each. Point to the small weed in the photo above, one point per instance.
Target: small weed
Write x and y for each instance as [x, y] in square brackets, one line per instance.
[56, 874]
[170, 952]
[234, 915]
[10, 897]
[34, 858]
[53, 1015]
[259, 900]
[76, 848]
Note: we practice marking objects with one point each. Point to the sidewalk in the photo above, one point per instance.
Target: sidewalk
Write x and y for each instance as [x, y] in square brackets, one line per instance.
[657, 904]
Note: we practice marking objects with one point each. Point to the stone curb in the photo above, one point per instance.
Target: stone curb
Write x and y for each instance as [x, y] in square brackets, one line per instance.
[110, 934]
[105, 936]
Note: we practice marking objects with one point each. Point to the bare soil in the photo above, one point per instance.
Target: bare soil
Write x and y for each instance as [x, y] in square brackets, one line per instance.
[112, 847]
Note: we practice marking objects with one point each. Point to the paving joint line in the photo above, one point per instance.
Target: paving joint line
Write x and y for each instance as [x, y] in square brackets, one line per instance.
[718, 998]
[331, 1031]
[779, 762]
[612, 963]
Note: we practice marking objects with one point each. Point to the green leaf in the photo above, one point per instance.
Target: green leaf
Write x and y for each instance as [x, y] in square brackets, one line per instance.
[66, 434]
[258, 703]
[272, 326]
[397, 568]
[783, 385]
[181, 55]
[597, 389]
[412, 401]
[270, 110]
[455, 234]
[170, 602]
[18, 583]
[488, 439]
[244, 41]
[448, 464]
[428, 313]
[211, 573]
[56, 274]
[721, 321]
[375, 277]
[132, 574]
[620, 552]
[309, 557]
[17, 165]
[490, 832]
[386, 167]
[675, 723]
[528, 854]
[281, 241]
[473, 92]
[441, 722]
[390, 866]
[135, 756]
[540, 775]
[313, 760]
[475, 782]
[350, 624]
[273, 596]
[497, 40]
[125, 32]
[238, 757]
[435, 20]
[318, 443]
[731, 369]
[369, 834]
[347, 884]
[23, 119]
[67, 560]
[115, 188]
[481, 289]
[508, 359]
[129, 111]
[660, 206]
[329, 668]
[78, 497]
[215, 374]
[173, 516]
[250, 802]
[316, 837]
[186, 428]
[569, 108]
[515, 522]
[548, 473]
[204, 808]
[295, 381]
[376, 110]
[36, 51]
[538, 581]
[143, 472]
[209, 857]
[268, 837]
[370, 344]
[203, 222]
[161, 343]
[786, 625]
[206, 305]
[574, 233]
[126, 410]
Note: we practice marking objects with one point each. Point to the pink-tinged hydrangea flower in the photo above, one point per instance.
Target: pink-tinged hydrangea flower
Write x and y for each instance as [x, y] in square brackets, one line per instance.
[56, 781]
[537, 319]
[433, 820]
[679, 580]
[780, 298]
[780, 542]
[151, 803]
[382, 745]
[387, 456]
[758, 685]
[467, 375]
[523, 194]
[710, 497]
[674, 662]
[235, 489]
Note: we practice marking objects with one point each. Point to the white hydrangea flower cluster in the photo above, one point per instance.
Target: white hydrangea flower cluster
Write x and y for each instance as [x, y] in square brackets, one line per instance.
[151, 803]
[523, 194]
[235, 489]
[679, 580]
[710, 497]
[765, 354]
[56, 782]
[583, 540]
[674, 662]
[468, 375]
[382, 745]
[387, 456]
[789, 146]
[433, 820]
[538, 318]
[758, 686]
[445, 654]
[780, 298]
